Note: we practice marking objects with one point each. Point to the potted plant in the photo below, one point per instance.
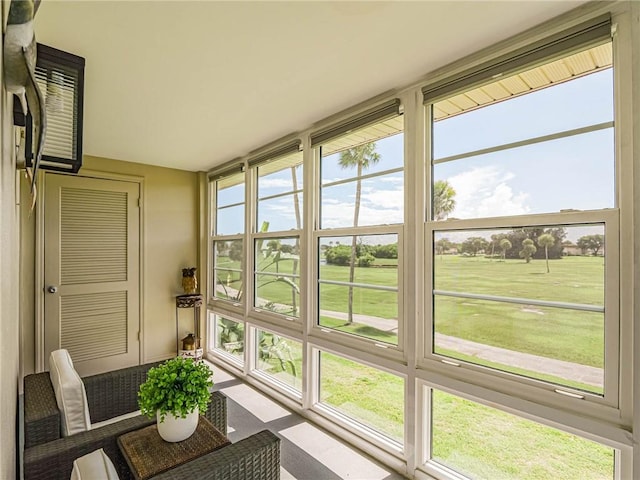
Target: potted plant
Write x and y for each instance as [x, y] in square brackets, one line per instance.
[175, 392]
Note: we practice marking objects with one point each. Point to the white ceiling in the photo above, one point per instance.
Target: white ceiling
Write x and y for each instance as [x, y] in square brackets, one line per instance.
[191, 85]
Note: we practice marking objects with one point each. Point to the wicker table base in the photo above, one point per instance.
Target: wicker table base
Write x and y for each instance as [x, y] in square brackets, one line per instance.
[147, 454]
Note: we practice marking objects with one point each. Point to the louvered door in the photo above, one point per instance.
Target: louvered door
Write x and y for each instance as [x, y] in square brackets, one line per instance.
[91, 248]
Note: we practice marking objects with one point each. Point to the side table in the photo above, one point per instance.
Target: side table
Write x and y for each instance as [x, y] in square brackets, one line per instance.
[194, 301]
[147, 454]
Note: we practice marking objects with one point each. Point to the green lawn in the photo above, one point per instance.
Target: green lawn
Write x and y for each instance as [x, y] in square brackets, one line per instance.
[485, 443]
[571, 279]
[473, 439]
[371, 396]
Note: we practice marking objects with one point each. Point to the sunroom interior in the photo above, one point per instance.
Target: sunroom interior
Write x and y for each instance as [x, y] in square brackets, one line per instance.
[422, 241]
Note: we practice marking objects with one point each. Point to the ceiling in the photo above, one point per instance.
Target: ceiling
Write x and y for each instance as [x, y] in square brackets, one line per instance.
[191, 85]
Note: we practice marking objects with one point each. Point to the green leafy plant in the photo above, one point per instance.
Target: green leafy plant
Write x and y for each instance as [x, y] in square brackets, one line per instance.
[176, 386]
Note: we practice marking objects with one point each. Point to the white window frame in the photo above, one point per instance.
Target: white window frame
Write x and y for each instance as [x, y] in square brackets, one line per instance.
[257, 314]
[595, 420]
[607, 407]
[318, 332]
[553, 393]
[228, 358]
[607, 436]
[386, 350]
[218, 303]
[345, 422]
[264, 377]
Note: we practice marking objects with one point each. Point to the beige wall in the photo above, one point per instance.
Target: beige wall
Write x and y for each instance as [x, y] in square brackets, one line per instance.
[170, 235]
[9, 253]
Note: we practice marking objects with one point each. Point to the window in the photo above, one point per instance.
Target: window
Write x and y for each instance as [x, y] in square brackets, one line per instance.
[361, 213]
[510, 301]
[472, 301]
[523, 202]
[280, 359]
[481, 442]
[365, 304]
[228, 338]
[279, 207]
[227, 241]
[370, 397]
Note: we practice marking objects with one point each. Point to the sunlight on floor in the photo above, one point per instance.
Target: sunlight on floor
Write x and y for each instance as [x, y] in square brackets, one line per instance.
[259, 405]
[333, 454]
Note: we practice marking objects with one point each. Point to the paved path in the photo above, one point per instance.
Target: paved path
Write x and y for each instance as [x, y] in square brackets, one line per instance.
[549, 366]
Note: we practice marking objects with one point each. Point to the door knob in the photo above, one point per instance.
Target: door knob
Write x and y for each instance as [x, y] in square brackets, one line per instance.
[52, 289]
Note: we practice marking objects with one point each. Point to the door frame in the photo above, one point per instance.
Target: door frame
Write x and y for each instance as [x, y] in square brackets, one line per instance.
[39, 286]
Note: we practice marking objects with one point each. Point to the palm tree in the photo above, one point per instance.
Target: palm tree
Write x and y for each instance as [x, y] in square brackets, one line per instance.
[505, 245]
[528, 249]
[360, 157]
[443, 199]
[546, 240]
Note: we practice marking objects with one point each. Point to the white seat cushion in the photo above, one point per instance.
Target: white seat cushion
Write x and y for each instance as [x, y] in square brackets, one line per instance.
[94, 466]
[109, 421]
[70, 394]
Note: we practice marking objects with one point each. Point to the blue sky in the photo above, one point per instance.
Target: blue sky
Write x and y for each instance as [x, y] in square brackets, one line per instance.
[570, 173]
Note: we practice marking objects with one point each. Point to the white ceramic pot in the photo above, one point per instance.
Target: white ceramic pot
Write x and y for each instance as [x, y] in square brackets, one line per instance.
[174, 429]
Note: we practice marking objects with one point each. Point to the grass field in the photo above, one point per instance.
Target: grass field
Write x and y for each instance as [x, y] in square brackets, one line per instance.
[373, 397]
[462, 430]
[571, 279]
[485, 443]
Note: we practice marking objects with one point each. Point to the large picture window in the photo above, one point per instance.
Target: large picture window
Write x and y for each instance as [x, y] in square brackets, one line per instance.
[520, 295]
[361, 214]
[446, 279]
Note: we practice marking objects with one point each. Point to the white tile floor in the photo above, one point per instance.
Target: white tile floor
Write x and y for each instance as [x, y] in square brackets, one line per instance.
[308, 452]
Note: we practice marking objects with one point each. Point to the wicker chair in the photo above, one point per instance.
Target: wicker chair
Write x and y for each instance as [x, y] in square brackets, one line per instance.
[48, 455]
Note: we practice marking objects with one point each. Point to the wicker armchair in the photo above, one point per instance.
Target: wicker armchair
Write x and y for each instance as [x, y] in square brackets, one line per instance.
[253, 458]
[48, 455]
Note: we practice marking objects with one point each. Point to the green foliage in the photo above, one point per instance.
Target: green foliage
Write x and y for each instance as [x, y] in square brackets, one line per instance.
[474, 245]
[366, 260]
[273, 347]
[230, 331]
[546, 240]
[365, 254]
[338, 255]
[361, 156]
[519, 235]
[385, 251]
[591, 242]
[443, 245]
[528, 249]
[235, 251]
[443, 199]
[176, 386]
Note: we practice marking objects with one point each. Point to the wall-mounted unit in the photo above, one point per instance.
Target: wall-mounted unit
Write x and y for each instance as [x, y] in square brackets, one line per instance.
[60, 76]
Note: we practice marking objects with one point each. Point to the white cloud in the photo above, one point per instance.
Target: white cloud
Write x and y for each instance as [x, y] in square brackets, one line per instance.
[485, 192]
[384, 200]
[377, 207]
[276, 183]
